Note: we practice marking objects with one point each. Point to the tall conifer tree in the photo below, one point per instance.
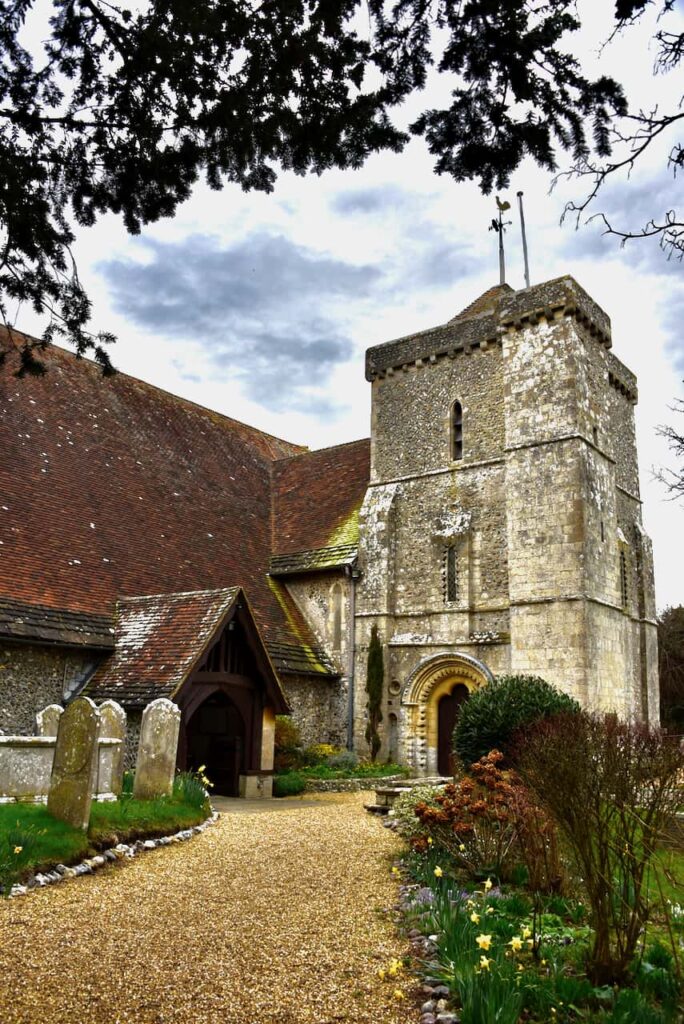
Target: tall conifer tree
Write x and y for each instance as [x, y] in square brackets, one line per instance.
[375, 678]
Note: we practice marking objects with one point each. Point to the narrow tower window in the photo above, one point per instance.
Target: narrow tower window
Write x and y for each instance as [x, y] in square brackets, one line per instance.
[457, 431]
[451, 581]
[624, 591]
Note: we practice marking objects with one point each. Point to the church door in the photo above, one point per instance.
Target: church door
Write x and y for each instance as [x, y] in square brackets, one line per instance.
[216, 739]
[447, 714]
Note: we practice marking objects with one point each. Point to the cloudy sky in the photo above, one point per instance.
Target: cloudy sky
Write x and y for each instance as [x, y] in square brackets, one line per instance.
[262, 306]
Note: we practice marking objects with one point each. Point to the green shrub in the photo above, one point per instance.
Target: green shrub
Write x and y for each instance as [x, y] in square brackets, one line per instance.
[318, 753]
[289, 784]
[492, 714]
[346, 760]
[288, 752]
[190, 788]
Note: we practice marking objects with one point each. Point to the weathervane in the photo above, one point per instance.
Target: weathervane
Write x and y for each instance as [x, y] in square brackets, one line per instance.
[499, 225]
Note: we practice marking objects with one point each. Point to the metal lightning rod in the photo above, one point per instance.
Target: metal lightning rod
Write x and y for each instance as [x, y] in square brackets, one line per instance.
[524, 240]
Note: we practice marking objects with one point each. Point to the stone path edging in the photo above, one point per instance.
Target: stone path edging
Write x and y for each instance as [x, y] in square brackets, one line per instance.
[60, 873]
[349, 785]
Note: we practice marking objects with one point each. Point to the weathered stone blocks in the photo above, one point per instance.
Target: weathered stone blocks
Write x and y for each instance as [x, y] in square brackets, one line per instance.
[75, 765]
[156, 762]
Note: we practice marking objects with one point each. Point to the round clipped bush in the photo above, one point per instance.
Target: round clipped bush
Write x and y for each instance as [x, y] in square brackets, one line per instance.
[492, 714]
[289, 784]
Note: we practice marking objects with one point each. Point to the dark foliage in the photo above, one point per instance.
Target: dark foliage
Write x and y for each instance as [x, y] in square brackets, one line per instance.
[125, 109]
[491, 716]
[671, 667]
[375, 679]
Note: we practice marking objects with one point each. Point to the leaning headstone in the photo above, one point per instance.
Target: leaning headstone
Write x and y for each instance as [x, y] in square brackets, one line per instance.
[74, 769]
[47, 720]
[156, 762]
[113, 727]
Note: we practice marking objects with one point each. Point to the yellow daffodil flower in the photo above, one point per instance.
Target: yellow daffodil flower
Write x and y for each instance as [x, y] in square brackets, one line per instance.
[485, 961]
[462, 847]
[475, 918]
[438, 872]
[484, 941]
[18, 849]
[516, 943]
[490, 910]
[520, 967]
[470, 904]
[530, 943]
[395, 871]
[526, 932]
[488, 885]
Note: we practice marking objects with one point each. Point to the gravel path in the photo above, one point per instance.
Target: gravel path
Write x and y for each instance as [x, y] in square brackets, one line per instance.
[269, 916]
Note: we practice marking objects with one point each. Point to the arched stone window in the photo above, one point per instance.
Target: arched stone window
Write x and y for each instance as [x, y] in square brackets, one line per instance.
[456, 431]
[336, 615]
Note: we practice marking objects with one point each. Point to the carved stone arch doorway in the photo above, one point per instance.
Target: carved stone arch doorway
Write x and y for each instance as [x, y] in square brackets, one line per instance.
[431, 700]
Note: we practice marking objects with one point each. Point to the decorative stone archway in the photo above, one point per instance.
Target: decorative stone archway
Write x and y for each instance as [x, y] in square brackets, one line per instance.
[434, 678]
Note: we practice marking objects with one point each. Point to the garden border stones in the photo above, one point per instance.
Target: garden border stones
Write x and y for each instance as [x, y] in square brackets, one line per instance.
[60, 873]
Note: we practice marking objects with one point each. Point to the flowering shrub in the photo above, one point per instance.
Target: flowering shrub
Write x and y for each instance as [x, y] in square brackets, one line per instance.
[487, 821]
[472, 819]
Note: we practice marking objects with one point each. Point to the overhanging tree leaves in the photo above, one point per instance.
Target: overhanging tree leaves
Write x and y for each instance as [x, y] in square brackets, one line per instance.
[122, 111]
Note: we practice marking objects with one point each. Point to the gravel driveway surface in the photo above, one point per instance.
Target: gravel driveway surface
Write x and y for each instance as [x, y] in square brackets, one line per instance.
[271, 915]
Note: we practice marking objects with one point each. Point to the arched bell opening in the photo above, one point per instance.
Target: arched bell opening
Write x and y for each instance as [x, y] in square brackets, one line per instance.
[215, 739]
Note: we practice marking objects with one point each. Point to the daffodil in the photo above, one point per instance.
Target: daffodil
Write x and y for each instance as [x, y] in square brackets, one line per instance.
[438, 872]
[462, 847]
[396, 871]
[18, 849]
[490, 910]
[485, 961]
[475, 918]
[516, 943]
[488, 885]
[484, 941]
[520, 967]
[526, 933]
[530, 943]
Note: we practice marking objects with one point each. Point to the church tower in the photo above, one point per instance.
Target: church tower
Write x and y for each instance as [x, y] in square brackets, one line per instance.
[501, 530]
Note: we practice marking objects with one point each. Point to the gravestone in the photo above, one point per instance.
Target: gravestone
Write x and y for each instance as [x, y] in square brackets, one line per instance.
[47, 720]
[74, 769]
[112, 726]
[156, 762]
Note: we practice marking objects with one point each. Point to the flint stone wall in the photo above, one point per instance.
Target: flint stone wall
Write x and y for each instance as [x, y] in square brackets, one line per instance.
[33, 677]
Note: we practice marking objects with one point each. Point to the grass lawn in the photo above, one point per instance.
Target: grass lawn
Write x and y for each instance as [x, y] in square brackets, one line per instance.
[32, 840]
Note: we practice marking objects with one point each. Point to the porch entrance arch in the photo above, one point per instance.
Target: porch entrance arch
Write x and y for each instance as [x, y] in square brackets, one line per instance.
[431, 702]
[215, 737]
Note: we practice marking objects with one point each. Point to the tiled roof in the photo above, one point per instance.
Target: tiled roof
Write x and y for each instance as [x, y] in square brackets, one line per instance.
[110, 487]
[36, 622]
[160, 639]
[317, 496]
[313, 561]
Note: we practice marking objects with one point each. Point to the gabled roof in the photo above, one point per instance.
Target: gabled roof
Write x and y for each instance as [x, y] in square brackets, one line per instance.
[316, 501]
[161, 639]
[111, 488]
